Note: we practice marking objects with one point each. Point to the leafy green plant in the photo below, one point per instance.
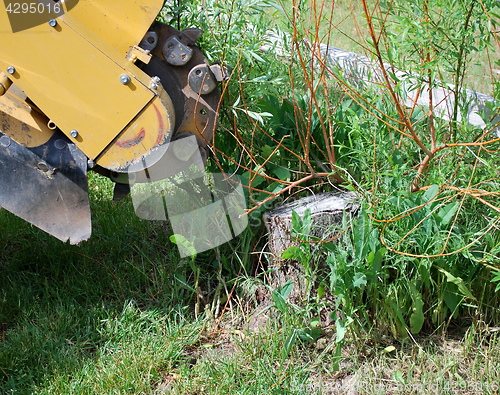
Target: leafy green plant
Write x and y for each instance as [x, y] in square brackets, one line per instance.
[293, 122]
[298, 322]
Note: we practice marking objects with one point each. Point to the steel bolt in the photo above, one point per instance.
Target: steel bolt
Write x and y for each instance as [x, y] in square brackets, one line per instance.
[90, 164]
[52, 23]
[60, 144]
[5, 141]
[11, 70]
[124, 79]
[43, 166]
[155, 81]
[74, 133]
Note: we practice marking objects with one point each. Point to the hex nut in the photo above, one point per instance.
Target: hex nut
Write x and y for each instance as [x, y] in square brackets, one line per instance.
[125, 79]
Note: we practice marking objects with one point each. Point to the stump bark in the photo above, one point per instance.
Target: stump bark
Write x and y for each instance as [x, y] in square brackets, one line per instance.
[327, 212]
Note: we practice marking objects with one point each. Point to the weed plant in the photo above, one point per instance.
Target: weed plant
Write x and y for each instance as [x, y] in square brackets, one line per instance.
[424, 249]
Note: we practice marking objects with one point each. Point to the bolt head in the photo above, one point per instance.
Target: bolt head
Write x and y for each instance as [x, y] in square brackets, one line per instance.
[11, 70]
[155, 81]
[5, 141]
[124, 79]
[60, 144]
[74, 133]
[52, 23]
[43, 166]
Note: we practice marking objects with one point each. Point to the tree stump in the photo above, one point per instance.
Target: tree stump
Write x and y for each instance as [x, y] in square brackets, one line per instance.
[327, 212]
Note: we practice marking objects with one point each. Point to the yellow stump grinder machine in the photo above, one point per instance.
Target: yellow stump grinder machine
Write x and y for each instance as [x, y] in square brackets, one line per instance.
[93, 84]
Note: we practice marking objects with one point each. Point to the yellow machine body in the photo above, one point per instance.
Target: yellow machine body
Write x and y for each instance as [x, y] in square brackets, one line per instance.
[73, 72]
[82, 89]
[22, 122]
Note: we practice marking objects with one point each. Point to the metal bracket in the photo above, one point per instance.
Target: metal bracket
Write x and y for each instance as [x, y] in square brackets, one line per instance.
[149, 41]
[201, 79]
[138, 53]
[221, 73]
[176, 53]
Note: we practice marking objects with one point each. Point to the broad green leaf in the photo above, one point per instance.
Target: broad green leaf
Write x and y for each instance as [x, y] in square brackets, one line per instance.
[340, 330]
[310, 334]
[417, 317]
[495, 279]
[329, 246]
[282, 173]
[446, 213]
[296, 222]
[398, 376]
[258, 116]
[187, 245]
[320, 293]
[430, 193]
[374, 260]
[267, 151]
[292, 252]
[315, 322]
[280, 302]
[274, 188]
[359, 280]
[307, 222]
[388, 349]
[396, 158]
[452, 300]
[286, 289]
[458, 282]
[359, 234]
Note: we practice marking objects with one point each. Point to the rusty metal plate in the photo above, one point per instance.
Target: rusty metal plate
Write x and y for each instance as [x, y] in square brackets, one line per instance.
[195, 112]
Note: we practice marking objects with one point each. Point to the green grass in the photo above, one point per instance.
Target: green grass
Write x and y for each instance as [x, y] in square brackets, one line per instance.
[123, 314]
[115, 315]
[109, 317]
[68, 309]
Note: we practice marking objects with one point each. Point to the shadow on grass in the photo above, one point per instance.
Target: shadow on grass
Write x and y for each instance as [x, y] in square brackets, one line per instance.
[56, 300]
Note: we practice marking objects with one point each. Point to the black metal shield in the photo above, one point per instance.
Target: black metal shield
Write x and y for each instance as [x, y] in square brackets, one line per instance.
[47, 186]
